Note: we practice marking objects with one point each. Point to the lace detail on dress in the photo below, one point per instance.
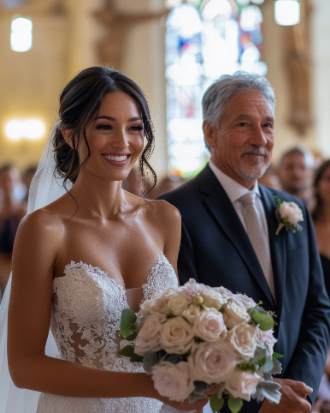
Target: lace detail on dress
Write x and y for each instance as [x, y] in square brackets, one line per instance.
[88, 307]
[161, 277]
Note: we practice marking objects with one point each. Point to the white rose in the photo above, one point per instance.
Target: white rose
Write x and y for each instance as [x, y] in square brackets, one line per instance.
[158, 303]
[291, 211]
[212, 362]
[242, 384]
[191, 313]
[235, 314]
[212, 298]
[245, 301]
[224, 292]
[148, 338]
[173, 380]
[177, 304]
[243, 339]
[176, 336]
[209, 325]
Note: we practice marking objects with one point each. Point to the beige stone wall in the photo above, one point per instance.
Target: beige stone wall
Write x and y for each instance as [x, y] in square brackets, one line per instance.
[31, 82]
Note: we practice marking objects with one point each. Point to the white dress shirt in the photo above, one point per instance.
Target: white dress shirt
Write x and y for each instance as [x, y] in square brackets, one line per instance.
[235, 191]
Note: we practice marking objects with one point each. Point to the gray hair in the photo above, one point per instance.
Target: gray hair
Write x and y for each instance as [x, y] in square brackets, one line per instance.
[220, 91]
[309, 158]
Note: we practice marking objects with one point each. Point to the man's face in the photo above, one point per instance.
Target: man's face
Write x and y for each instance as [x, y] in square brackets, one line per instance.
[294, 174]
[241, 145]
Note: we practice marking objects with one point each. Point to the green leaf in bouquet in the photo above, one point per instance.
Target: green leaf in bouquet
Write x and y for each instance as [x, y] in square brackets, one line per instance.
[216, 403]
[258, 317]
[267, 324]
[259, 357]
[128, 351]
[246, 365]
[127, 324]
[268, 365]
[277, 355]
[234, 405]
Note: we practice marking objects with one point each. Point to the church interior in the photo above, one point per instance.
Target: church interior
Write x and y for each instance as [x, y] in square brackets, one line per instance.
[173, 49]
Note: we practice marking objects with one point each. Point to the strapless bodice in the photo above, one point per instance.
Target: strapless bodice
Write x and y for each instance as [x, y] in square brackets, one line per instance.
[86, 323]
[87, 312]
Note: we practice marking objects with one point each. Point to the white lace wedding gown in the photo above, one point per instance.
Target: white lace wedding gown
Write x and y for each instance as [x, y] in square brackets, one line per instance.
[85, 324]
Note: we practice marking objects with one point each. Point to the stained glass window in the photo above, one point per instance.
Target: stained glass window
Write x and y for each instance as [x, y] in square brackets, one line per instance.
[204, 40]
[8, 4]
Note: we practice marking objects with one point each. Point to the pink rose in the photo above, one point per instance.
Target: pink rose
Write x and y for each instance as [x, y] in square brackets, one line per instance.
[242, 384]
[148, 338]
[176, 336]
[235, 313]
[173, 380]
[212, 362]
[266, 338]
[191, 289]
[243, 340]
[209, 325]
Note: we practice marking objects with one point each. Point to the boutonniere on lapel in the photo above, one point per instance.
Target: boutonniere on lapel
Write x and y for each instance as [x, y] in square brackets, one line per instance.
[288, 215]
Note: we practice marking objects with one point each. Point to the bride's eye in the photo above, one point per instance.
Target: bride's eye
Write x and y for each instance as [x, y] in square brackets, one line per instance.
[137, 128]
[104, 127]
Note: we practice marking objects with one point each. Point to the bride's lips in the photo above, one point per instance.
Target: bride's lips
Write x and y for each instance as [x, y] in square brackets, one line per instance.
[117, 159]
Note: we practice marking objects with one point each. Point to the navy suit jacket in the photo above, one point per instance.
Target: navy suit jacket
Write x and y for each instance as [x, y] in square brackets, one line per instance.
[215, 250]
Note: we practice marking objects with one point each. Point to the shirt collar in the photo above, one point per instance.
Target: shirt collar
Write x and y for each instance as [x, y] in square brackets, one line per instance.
[233, 189]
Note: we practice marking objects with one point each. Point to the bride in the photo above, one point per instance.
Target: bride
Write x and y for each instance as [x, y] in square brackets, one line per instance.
[80, 260]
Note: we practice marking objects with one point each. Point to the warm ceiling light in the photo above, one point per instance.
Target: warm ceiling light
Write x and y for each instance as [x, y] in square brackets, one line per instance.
[14, 130]
[21, 34]
[287, 12]
[32, 129]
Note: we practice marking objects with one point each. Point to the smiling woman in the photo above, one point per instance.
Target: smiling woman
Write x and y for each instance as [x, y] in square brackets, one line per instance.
[82, 259]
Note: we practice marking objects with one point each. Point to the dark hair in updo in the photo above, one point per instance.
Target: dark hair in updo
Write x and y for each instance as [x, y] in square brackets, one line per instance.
[79, 102]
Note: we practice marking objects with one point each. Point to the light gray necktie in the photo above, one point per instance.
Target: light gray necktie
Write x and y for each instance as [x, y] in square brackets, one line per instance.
[257, 236]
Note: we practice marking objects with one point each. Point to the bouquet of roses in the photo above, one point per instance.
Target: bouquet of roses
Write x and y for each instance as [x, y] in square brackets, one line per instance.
[195, 336]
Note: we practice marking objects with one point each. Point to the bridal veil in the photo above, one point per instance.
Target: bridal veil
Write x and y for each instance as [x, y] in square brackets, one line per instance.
[45, 188]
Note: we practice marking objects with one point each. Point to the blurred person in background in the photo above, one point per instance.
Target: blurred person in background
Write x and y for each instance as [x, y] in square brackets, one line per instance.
[11, 212]
[27, 177]
[270, 179]
[321, 217]
[295, 170]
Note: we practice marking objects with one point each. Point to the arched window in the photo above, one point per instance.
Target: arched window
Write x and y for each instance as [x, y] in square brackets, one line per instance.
[204, 40]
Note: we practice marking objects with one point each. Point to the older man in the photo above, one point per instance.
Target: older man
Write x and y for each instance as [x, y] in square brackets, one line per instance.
[229, 235]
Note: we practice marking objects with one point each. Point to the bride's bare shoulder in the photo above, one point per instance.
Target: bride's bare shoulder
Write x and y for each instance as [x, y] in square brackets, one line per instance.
[47, 221]
[164, 213]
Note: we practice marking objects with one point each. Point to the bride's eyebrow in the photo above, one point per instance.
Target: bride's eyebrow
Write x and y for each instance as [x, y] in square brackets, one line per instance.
[111, 118]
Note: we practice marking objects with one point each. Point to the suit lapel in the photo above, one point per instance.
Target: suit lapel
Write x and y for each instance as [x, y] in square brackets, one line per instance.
[277, 245]
[224, 213]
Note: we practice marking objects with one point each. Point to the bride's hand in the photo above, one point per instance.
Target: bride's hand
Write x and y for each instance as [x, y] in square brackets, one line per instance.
[185, 406]
[197, 406]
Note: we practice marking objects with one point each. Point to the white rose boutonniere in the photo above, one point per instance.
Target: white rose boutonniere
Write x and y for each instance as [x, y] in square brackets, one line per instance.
[288, 215]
